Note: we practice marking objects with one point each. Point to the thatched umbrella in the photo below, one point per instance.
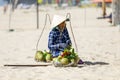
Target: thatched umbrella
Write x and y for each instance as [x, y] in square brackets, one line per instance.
[104, 8]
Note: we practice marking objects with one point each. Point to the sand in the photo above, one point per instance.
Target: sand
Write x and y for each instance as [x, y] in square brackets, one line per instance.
[98, 45]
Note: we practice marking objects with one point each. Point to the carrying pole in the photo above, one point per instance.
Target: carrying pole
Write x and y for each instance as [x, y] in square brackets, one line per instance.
[28, 65]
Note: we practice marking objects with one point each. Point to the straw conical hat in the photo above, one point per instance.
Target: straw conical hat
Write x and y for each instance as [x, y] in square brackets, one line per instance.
[57, 19]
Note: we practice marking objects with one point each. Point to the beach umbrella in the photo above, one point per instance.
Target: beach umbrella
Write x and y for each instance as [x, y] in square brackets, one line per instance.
[97, 1]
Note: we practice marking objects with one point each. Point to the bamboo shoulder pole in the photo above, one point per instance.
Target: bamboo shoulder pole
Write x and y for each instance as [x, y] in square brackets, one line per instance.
[27, 65]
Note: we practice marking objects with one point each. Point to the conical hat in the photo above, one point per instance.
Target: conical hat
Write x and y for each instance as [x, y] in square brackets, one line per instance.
[57, 19]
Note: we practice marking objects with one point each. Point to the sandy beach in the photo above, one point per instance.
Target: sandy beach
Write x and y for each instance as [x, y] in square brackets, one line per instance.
[98, 45]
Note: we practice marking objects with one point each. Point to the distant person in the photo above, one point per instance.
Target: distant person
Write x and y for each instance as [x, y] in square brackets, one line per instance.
[59, 2]
[6, 2]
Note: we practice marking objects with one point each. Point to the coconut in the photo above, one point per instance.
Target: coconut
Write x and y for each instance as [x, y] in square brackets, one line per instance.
[72, 60]
[48, 57]
[54, 59]
[64, 61]
[39, 56]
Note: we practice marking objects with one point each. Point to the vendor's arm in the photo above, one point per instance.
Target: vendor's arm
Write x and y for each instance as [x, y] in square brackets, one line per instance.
[51, 42]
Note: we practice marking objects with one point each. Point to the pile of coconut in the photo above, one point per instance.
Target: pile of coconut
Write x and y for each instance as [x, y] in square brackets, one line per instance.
[67, 58]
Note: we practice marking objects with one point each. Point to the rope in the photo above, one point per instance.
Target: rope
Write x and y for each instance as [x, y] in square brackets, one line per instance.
[68, 16]
[47, 15]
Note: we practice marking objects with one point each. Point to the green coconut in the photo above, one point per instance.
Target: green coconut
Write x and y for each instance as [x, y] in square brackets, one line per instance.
[55, 59]
[48, 57]
[39, 56]
[64, 61]
[72, 60]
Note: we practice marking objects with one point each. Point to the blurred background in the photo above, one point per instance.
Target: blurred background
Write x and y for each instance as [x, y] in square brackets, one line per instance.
[86, 10]
[60, 3]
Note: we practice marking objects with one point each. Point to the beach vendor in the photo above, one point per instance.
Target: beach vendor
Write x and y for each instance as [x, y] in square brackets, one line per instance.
[59, 38]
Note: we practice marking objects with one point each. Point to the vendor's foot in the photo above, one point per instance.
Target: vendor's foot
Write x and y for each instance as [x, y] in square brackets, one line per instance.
[110, 21]
[80, 62]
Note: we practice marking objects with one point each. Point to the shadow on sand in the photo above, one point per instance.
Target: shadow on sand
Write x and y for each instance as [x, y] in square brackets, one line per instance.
[89, 63]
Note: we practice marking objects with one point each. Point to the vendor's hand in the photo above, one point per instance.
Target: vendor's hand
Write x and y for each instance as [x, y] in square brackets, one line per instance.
[63, 45]
[69, 47]
[68, 42]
